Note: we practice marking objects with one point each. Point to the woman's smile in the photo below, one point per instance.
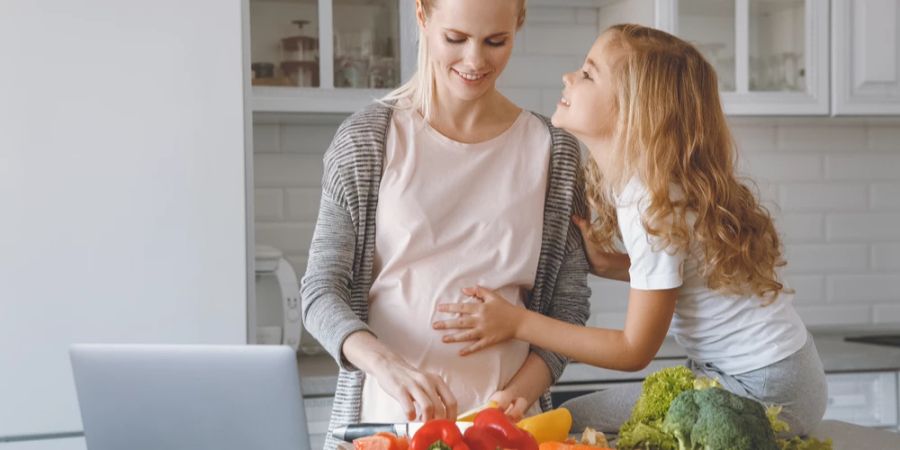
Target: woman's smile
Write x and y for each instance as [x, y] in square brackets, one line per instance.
[470, 78]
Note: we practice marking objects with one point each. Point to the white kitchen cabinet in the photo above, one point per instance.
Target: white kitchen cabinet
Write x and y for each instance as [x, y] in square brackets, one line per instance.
[349, 38]
[329, 55]
[867, 399]
[866, 54]
[122, 178]
[50, 444]
[771, 56]
[318, 413]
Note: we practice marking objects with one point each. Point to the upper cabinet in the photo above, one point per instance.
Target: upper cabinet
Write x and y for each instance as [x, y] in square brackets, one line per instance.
[866, 57]
[771, 56]
[328, 55]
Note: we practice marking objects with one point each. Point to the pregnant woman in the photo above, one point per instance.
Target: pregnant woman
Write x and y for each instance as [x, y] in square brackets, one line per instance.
[444, 184]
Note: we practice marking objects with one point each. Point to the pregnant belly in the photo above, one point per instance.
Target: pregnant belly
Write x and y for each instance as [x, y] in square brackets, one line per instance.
[472, 379]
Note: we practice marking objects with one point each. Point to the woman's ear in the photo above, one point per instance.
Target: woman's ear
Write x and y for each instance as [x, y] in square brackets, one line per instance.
[420, 15]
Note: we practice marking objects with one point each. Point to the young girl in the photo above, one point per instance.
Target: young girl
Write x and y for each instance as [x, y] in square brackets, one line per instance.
[702, 254]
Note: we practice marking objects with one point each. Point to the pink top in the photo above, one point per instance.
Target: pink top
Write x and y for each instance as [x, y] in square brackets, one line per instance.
[452, 215]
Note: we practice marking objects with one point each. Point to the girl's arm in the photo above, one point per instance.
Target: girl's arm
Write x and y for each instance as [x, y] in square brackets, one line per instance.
[496, 320]
[630, 349]
[525, 388]
[603, 264]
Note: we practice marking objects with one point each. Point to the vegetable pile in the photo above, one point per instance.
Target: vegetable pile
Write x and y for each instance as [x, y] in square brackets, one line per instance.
[491, 430]
[677, 411]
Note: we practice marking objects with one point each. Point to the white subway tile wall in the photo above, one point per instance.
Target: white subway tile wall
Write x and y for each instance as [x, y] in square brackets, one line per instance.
[833, 185]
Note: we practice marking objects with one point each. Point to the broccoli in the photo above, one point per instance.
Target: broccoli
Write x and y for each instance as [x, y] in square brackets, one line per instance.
[677, 411]
[657, 393]
[778, 425]
[643, 429]
[716, 419]
[646, 436]
[796, 443]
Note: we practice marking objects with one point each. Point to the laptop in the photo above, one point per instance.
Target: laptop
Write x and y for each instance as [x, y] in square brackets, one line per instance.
[189, 397]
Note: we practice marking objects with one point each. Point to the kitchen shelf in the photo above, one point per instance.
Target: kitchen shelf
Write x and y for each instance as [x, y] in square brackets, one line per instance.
[312, 100]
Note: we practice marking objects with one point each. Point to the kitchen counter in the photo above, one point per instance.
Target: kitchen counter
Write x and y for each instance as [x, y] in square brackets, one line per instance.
[319, 376]
[318, 373]
[846, 436]
[838, 356]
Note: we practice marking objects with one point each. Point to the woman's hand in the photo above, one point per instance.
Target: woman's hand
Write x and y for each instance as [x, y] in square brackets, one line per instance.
[422, 395]
[513, 406]
[489, 321]
[603, 264]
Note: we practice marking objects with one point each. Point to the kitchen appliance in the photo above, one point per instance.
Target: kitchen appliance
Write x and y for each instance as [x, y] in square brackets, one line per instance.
[278, 316]
[187, 397]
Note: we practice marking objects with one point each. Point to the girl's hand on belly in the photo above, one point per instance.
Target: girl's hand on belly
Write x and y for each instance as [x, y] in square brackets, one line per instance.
[422, 395]
[490, 321]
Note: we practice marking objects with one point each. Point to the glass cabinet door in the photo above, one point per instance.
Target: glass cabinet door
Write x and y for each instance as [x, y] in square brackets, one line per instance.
[284, 43]
[710, 26]
[771, 56]
[366, 44]
[776, 45]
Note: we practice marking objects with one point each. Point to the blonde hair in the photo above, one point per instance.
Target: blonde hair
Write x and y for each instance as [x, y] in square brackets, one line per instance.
[419, 89]
[671, 131]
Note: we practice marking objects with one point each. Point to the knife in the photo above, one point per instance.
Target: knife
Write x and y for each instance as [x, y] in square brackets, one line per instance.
[348, 433]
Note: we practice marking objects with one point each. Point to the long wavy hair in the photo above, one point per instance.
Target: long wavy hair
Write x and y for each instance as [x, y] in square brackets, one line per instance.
[419, 89]
[671, 132]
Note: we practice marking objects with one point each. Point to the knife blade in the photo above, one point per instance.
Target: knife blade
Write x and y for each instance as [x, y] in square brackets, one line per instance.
[348, 433]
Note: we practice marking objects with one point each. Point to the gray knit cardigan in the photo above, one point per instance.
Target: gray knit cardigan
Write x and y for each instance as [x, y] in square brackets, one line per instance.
[335, 288]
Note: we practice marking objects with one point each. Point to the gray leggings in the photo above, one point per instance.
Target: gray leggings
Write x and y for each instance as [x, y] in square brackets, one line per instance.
[796, 382]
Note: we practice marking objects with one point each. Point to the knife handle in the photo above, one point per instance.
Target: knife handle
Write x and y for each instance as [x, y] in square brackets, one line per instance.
[359, 430]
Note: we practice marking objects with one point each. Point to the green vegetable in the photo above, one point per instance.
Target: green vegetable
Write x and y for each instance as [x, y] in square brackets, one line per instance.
[706, 383]
[795, 443]
[715, 419]
[644, 436]
[643, 430]
[658, 422]
[778, 425]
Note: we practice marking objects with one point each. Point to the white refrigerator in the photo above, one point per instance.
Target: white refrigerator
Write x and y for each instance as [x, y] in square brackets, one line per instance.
[123, 212]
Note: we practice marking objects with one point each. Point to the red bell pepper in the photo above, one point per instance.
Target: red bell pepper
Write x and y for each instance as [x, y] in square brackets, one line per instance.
[492, 430]
[381, 441]
[438, 434]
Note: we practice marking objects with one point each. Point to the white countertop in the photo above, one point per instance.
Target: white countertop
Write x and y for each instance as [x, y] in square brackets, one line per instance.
[318, 373]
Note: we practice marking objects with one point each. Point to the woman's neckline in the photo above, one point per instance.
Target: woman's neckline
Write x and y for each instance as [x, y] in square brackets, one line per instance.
[486, 142]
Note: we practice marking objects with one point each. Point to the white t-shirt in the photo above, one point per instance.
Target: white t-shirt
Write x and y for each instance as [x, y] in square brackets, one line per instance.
[737, 334]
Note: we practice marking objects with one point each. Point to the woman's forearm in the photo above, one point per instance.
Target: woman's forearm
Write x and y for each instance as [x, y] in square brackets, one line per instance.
[365, 351]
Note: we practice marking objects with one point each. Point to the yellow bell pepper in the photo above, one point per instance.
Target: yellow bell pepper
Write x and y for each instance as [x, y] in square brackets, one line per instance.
[550, 426]
[469, 416]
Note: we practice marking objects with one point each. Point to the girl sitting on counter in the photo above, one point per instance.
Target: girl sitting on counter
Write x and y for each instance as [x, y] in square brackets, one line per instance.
[701, 253]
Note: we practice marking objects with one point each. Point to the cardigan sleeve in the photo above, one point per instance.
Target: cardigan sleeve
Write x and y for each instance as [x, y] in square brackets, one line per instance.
[327, 285]
[570, 301]
[571, 298]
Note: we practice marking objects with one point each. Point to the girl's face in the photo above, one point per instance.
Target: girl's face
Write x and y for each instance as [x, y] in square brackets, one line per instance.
[470, 42]
[587, 108]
